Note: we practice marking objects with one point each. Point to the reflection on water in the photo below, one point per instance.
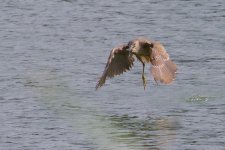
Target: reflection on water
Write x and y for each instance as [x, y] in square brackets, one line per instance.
[146, 132]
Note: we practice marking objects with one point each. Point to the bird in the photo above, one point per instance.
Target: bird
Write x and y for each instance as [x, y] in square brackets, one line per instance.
[122, 57]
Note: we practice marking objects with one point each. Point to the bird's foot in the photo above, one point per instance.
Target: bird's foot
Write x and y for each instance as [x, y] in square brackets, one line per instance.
[144, 81]
[156, 82]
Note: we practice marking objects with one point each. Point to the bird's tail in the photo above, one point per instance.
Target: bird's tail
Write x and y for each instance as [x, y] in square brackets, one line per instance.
[164, 72]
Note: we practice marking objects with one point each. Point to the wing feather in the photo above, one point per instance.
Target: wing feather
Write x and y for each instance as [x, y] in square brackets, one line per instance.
[119, 61]
[163, 69]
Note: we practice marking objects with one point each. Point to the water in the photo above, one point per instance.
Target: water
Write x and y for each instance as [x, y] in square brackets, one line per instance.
[52, 53]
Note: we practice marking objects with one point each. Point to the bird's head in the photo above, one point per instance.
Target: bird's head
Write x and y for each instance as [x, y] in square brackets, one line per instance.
[148, 45]
[137, 47]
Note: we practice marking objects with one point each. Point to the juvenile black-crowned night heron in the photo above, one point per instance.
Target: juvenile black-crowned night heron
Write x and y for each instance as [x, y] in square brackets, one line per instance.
[122, 57]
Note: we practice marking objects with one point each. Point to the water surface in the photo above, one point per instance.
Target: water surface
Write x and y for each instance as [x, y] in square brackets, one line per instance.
[52, 53]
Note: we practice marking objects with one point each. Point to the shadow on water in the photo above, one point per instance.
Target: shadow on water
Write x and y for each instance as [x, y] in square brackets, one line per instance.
[98, 128]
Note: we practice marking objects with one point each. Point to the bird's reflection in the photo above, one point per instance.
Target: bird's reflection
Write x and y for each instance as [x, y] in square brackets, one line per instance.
[147, 133]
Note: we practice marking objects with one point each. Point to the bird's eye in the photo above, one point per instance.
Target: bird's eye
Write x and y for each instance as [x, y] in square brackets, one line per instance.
[147, 45]
[151, 45]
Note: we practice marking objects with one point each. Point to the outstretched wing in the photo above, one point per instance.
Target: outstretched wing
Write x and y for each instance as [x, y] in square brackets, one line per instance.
[119, 61]
[163, 69]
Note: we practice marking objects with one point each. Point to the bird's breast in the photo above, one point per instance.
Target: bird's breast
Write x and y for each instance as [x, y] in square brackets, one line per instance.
[145, 58]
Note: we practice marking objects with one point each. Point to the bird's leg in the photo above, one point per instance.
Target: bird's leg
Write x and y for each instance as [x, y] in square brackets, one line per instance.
[156, 82]
[143, 76]
[143, 71]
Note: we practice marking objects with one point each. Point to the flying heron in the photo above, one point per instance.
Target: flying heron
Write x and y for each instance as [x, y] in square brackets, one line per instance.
[121, 59]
